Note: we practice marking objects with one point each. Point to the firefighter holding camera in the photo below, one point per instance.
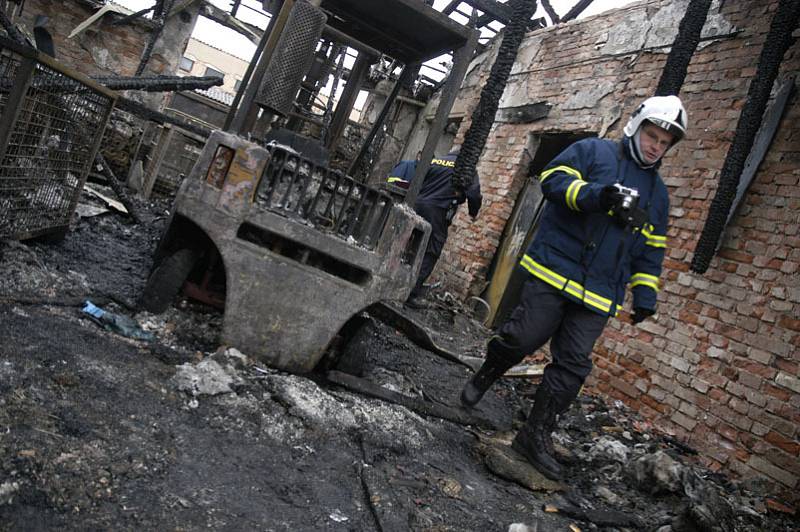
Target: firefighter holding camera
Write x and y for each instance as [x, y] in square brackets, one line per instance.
[604, 227]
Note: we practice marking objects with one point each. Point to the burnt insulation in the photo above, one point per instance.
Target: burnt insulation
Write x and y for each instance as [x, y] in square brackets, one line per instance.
[683, 48]
[483, 115]
[779, 38]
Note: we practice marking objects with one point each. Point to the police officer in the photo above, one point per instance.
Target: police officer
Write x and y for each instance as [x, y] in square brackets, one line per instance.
[437, 203]
[604, 226]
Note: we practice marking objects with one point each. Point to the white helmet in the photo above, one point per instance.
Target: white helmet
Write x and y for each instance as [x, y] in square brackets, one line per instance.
[666, 112]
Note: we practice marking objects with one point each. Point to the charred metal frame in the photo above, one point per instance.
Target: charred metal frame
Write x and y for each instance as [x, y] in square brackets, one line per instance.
[304, 248]
[51, 123]
[372, 38]
[328, 200]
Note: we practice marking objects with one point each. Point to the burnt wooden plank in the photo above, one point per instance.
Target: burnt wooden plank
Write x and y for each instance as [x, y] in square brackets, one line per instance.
[425, 408]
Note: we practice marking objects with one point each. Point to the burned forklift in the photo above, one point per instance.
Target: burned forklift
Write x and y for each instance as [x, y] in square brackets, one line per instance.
[295, 249]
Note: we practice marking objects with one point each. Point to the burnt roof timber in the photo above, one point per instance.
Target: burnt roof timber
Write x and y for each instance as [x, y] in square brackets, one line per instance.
[498, 11]
[449, 8]
[224, 18]
[548, 8]
[407, 30]
[576, 10]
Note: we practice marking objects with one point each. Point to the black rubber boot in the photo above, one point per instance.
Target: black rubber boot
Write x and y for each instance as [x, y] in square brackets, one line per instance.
[560, 405]
[532, 439]
[495, 365]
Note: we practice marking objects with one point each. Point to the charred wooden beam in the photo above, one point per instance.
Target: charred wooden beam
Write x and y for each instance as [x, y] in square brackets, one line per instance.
[779, 38]
[762, 142]
[484, 113]
[160, 83]
[600, 517]
[487, 18]
[158, 117]
[550, 12]
[426, 408]
[11, 29]
[497, 10]
[386, 509]
[117, 187]
[220, 16]
[160, 18]
[683, 48]
[405, 77]
[576, 10]
[449, 8]
[127, 19]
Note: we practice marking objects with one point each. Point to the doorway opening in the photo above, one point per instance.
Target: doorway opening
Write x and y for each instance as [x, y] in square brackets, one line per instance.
[505, 275]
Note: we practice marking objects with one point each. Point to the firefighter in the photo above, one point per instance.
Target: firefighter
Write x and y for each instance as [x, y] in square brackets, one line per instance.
[604, 226]
[437, 203]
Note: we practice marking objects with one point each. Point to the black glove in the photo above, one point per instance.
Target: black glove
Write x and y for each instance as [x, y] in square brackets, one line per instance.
[640, 313]
[608, 198]
[633, 219]
[460, 194]
[473, 206]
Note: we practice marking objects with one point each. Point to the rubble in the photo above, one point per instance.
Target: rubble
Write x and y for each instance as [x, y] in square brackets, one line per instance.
[98, 431]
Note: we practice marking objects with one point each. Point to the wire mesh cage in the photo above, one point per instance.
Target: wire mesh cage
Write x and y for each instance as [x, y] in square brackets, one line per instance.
[51, 123]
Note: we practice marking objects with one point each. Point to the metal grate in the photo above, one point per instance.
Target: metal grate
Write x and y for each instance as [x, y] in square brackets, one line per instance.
[293, 56]
[51, 123]
[328, 199]
[182, 153]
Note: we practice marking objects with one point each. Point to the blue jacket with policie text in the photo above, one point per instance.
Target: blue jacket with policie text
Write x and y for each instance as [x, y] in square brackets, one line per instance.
[437, 188]
[583, 251]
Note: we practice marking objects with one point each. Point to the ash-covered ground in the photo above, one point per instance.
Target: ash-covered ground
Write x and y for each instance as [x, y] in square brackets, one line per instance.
[99, 431]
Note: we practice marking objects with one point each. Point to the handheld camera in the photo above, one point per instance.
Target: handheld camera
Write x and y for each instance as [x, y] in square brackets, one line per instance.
[628, 198]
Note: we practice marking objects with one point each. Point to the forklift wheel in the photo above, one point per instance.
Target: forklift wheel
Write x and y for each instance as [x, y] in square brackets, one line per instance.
[355, 351]
[167, 279]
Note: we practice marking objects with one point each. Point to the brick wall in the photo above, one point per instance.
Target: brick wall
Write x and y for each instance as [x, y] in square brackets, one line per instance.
[720, 366]
[100, 50]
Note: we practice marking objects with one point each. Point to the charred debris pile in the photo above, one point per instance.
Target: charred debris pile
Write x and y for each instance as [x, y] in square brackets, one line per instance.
[99, 429]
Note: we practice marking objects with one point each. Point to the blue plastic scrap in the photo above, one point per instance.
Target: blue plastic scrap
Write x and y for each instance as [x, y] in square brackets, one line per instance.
[117, 323]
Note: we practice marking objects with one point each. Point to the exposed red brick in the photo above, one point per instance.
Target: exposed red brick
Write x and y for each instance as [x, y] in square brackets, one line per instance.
[789, 323]
[790, 446]
[777, 506]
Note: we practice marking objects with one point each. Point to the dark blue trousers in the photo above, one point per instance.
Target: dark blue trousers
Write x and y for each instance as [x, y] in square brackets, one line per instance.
[543, 314]
[437, 217]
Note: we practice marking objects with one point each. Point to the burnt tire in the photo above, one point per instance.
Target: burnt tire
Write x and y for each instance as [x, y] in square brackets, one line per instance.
[167, 279]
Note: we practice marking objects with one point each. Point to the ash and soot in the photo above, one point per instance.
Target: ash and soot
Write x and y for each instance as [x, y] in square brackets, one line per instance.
[101, 431]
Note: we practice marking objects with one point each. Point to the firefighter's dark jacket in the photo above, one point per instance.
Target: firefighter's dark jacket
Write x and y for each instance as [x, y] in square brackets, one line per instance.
[580, 249]
[437, 188]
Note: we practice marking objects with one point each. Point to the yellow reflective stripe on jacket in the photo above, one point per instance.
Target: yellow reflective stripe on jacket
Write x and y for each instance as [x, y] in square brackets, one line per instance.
[572, 194]
[562, 283]
[644, 279]
[657, 241]
[571, 197]
[566, 169]
[395, 180]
